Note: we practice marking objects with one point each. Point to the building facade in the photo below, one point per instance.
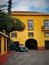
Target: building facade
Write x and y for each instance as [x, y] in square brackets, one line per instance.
[36, 32]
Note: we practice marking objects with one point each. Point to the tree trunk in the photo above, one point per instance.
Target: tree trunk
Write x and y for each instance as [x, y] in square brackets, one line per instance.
[9, 6]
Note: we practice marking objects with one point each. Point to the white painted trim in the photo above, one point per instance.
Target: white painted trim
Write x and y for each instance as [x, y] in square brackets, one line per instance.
[4, 34]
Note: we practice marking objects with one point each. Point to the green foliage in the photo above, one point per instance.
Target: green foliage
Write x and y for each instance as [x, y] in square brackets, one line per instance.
[6, 23]
[18, 26]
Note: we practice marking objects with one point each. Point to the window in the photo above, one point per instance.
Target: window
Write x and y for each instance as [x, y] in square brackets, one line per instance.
[47, 34]
[30, 34]
[30, 24]
[14, 34]
[46, 23]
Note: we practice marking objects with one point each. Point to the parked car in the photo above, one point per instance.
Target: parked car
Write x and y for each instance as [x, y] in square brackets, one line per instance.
[22, 49]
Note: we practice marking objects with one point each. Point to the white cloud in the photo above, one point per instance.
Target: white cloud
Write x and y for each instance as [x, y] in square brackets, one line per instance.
[20, 8]
[2, 2]
[39, 3]
[22, 5]
[26, 4]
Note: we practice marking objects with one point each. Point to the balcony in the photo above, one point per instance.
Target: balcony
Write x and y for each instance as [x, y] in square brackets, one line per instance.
[45, 28]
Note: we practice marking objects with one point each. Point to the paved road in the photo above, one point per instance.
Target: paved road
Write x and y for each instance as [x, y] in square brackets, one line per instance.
[32, 57]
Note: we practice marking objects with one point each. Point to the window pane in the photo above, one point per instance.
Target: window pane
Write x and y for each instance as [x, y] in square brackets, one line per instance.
[30, 34]
[30, 24]
[46, 23]
[14, 34]
[47, 34]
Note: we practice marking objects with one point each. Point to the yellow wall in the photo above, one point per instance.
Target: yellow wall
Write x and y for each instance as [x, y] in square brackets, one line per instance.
[3, 38]
[2, 45]
[38, 33]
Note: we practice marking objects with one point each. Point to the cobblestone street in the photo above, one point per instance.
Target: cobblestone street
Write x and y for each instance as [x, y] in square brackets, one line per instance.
[32, 57]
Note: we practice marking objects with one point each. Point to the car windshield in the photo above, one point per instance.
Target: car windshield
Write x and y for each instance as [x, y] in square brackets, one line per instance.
[24, 47]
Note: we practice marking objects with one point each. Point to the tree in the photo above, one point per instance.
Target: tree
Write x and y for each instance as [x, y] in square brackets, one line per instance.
[5, 22]
[18, 25]
[10, 24]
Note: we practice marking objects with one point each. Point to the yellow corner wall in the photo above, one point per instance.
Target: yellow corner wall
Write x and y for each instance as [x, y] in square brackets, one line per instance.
[2, 44]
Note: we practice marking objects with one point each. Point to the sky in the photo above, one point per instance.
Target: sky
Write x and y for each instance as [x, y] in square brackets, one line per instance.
[28, 5]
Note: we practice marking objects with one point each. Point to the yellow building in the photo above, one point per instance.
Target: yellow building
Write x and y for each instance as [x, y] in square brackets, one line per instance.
[3, 43]
[36, 33]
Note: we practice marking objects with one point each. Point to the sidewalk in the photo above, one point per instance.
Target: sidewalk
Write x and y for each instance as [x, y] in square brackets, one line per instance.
[32, 57]
[3, 58]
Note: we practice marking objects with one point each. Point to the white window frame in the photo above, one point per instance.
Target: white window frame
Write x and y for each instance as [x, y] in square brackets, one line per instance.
[30, 25]
[46, 23]
[30, 34]
[46, 34]
[14, 34]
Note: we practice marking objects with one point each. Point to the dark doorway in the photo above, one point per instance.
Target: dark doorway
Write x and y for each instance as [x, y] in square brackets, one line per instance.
[31, 44]
[47, 44]
[14, 45]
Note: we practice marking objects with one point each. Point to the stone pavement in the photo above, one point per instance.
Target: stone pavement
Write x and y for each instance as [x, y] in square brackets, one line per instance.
[32, 57]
